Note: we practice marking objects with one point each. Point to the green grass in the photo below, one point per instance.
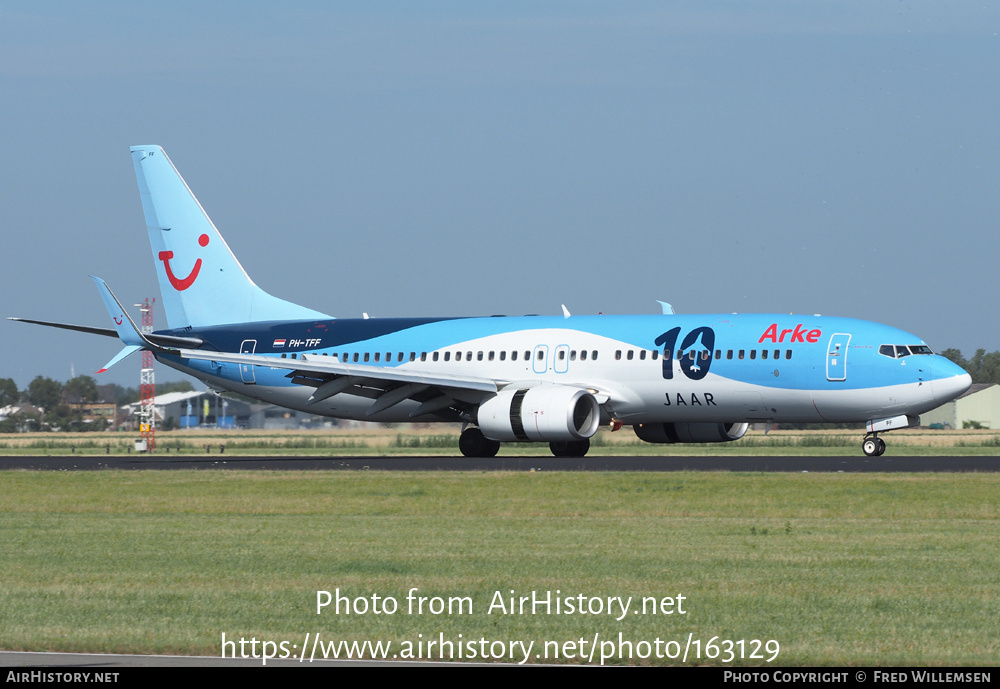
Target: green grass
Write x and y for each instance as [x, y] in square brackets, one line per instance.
[840, 569]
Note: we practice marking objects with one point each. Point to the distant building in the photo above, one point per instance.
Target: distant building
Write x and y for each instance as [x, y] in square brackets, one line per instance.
[96, 412]
[210, 410]
[981, 403]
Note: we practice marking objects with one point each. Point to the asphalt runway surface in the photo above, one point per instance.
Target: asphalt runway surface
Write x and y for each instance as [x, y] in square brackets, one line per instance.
[859, 464]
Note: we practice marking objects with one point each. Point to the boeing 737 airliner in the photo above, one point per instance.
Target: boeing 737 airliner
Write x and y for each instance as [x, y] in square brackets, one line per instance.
[673, 378]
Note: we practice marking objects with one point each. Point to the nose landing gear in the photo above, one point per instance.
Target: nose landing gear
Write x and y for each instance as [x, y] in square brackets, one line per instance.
[873, 446]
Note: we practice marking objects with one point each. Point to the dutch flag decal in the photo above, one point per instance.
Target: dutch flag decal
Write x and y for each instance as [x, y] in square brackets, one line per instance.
[279, 343]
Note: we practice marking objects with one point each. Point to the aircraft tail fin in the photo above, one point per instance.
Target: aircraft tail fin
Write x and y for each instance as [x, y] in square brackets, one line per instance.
[201, 281]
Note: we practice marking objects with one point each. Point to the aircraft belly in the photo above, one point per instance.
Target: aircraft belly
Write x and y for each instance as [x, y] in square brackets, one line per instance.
[717, 399]
[865, 404]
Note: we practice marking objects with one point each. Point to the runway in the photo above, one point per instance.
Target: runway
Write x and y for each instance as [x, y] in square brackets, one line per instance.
[860, 464]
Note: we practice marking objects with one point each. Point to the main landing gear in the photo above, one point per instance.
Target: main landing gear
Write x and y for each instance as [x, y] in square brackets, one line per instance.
[473, 443]
[873, 446]
[572, 448]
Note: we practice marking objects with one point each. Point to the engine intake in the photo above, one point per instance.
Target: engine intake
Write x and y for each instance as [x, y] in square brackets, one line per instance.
[690, 432]
[550, 413]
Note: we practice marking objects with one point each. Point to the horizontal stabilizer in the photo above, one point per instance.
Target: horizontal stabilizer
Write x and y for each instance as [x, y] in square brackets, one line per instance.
[125, 353]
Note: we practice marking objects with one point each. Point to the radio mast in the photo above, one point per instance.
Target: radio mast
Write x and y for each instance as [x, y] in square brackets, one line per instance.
[147, 382]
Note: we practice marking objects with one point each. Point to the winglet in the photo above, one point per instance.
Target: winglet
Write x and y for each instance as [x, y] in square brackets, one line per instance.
[668, 310]
[124, 325]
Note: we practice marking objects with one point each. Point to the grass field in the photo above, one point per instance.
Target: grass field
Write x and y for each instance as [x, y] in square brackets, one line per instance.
[443, 439]
[838, 569]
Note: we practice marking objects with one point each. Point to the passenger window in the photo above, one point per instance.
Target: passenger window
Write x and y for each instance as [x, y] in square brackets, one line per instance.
[630, 355]
[479, 356]
[377, 355]
[583, 355]
[503, 355]
[413, 356]
[655, 353]
[753, 353]
[434, 356]
[513, 355]
[618, 355]
[718, 354]
[739, 354]
[468, 356]
[366, 357]
[355, 357]
[562, 355]
[423, 356]
[593, 355]
[642, 355]
[763, 354]
[541, 354]
[788, 354]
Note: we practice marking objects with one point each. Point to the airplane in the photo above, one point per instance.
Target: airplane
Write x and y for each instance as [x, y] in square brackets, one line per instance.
[556, 379]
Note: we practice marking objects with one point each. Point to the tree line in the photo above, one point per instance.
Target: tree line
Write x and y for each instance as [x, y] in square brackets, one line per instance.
[48, 404]
[983, 367]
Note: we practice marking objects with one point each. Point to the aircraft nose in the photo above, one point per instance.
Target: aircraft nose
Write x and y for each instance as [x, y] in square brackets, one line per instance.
[950, 380]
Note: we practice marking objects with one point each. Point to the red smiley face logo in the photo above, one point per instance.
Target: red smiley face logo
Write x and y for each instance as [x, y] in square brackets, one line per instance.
[181, 284]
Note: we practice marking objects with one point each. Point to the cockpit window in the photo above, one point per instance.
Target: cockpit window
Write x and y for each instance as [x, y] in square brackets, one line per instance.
[899, 351]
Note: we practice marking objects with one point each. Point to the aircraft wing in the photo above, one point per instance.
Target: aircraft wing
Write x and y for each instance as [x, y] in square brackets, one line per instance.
[386, 386]
[107, 332]
[310, 363]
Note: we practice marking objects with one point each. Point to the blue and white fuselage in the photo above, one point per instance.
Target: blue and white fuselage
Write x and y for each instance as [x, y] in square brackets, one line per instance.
[674, 378]
[641, 369]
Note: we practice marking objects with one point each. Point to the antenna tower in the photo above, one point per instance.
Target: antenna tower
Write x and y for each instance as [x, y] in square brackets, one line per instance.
[147, 382]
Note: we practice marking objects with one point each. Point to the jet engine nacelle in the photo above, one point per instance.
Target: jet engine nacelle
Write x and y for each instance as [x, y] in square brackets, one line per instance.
[550, 413]
[690, 432]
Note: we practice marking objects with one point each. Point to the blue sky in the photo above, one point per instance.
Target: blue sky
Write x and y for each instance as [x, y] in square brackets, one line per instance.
[436, 158]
